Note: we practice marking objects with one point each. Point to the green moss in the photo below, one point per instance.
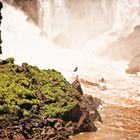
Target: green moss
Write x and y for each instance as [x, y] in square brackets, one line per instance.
[8, 60]
[13, 109]
[2, 117]
[26, 112]
[19, 86]
[1, 108]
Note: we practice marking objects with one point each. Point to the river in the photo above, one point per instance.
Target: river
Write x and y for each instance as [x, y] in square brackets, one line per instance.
[121, 101]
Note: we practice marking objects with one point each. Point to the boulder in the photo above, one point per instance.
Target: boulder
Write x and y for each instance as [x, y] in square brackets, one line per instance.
[76, 84]
[132, 70]
[90, 113]
[73, 114]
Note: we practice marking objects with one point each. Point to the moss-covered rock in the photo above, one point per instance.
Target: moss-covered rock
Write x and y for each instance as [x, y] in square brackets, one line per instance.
[41, 104]
[26, 88]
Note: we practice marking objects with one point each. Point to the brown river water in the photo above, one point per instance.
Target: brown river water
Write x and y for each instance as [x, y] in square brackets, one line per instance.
[121, 101]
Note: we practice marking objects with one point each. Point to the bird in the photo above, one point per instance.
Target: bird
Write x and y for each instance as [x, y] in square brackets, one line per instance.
[75, 69]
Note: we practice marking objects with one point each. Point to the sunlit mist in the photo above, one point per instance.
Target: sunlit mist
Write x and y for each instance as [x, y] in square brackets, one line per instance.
[100, 38]
[68, 30]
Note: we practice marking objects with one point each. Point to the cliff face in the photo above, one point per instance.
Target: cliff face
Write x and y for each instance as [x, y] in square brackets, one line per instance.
[29, 7]
[127, 48]
[0, 25]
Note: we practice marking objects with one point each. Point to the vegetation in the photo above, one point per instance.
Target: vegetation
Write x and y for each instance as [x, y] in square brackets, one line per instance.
[26, 90]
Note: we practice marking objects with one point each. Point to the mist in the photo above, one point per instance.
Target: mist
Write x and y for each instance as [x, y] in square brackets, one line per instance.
[79, 27]
[93, 42]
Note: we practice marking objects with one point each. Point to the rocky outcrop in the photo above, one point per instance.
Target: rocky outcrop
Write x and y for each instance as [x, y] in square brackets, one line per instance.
[76, 84]
[0, 25]
[29, 7]
[88, 106]
[41, 104]
[79, 119]
[133, 70]
[127, 48]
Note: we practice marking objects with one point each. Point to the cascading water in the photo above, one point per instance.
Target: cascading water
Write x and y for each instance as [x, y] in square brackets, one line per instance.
[70, 33]
[92, 24]
[40, 50]
[127, 16]
[123, 15]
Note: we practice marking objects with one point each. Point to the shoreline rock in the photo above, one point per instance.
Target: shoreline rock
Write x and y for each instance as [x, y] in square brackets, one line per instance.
[55, 128]
[33, 124]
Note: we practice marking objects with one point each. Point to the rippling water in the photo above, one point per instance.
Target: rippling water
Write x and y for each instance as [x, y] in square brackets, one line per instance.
[121, 100]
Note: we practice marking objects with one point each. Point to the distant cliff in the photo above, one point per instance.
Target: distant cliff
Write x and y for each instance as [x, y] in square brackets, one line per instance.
[29, 7]
[127, 48]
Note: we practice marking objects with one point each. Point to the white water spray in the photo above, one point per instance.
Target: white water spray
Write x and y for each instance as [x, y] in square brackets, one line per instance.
[22, 40]
[88, 28]
[124, 16]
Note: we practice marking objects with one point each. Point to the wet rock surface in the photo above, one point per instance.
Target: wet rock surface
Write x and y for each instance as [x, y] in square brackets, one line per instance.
[34, 125]
[53, 127]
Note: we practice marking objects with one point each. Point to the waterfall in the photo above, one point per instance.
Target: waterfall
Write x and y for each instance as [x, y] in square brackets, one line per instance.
[123, 16]
[127, 15]
[85, 23]
[24, 41]
[69, 26]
